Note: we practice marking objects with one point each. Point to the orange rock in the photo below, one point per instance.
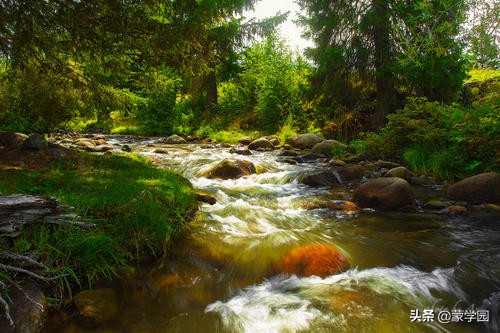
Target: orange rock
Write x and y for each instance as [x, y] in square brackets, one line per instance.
[314, 259]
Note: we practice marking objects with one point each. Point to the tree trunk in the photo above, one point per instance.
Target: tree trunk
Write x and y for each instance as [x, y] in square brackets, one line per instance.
[211, 97]
[383, 75]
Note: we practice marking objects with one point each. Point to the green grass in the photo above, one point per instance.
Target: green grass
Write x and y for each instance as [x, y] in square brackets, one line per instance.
[137, 209]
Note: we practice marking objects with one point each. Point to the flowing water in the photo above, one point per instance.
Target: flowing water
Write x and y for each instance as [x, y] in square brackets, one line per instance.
[219, 276]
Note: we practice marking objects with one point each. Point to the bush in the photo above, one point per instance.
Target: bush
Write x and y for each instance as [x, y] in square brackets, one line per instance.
[445, 141]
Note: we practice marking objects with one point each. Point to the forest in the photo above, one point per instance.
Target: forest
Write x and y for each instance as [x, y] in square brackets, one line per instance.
[100, 197]
[200, 68]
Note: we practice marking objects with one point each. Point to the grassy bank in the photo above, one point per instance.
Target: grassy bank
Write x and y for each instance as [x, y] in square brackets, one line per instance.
[136, 207]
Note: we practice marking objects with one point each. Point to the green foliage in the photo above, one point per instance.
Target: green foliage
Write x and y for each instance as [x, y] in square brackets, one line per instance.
[136, 207]
[272, 85]
[445, 141]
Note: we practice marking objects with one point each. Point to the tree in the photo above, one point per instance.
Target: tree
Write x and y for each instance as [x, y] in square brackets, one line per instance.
[482, 33]
[390, 46]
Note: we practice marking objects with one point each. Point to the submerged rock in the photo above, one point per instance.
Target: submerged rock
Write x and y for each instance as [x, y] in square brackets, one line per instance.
[484, 187]
[231, 169]
[343, 206]
[98, 305]
[160, 151]
[313, 259]
[384, 193]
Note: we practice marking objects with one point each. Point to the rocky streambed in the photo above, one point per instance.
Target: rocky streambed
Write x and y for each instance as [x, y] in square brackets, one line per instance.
[291, 239]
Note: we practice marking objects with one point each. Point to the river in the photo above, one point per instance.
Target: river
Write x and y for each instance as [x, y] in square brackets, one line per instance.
[410, 271]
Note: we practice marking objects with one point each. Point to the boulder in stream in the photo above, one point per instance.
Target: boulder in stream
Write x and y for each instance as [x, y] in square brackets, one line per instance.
[328, 147]
[324, 178]
[313, 259]
[261, 143]
[484, 187]
[175, 139]
[231, 169]
[386, 193]
[304, 141]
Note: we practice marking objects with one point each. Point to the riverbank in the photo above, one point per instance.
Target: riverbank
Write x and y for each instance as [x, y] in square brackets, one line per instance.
[136, 209]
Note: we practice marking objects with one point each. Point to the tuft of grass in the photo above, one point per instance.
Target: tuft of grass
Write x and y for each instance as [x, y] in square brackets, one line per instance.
[136, 207]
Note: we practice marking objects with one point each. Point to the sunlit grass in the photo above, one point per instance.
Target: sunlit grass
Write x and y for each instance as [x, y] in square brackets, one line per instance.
[137, 209]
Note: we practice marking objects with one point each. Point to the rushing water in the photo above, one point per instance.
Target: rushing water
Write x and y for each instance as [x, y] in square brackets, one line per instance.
[220, 277]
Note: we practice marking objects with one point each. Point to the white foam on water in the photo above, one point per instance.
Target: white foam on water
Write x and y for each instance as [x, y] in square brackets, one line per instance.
[291, 304]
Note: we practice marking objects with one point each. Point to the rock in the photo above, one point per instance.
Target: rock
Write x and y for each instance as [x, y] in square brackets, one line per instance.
[454, 210]
[240, 151]
[353, 172]
[84, 143]
[127, 148]
[384, 193]
[335, 205]
[36, 142]
[101, 148]
[231, 169]
[28, 311]
[480, 188]
[314, 259]
[99, 142]
[175, 139]
[245, 140]
[325, 178]
[288, 153]
[304, 141]
[337, 163]
[273, 139]
[328, 147]
[261, 143]
[290, 161]
[55, 152]
[98, 305]
[400, 172]
[385, 164]
[206, 198]
[437, 204]
[160, 151]
[11, 139]
[99, 137]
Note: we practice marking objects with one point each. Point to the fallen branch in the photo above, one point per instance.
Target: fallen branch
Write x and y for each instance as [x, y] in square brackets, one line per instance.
[30, 273]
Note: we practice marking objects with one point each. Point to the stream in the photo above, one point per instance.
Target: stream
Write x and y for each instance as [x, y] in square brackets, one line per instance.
[410, 271]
